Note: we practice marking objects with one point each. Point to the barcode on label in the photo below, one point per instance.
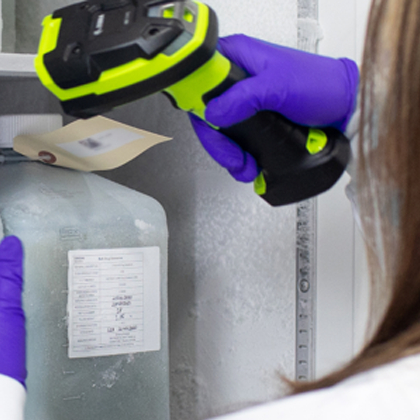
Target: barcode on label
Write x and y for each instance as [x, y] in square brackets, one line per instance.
[100, 143]
[90, 143]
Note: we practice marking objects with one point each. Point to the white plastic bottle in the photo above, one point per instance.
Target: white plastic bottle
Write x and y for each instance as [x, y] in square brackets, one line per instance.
[63, 215]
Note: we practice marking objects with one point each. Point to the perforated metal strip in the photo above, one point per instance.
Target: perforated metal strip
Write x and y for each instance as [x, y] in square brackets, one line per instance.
[306, 290]
[308, 35]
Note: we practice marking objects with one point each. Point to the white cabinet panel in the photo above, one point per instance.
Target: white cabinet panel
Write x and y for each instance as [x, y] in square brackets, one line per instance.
[11, 64]
[17, 65]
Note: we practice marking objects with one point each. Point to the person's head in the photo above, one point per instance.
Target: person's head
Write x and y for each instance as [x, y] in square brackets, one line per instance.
[388, 184]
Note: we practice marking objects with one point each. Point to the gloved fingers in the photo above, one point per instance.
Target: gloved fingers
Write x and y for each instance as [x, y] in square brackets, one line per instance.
[249, 54]
[225, 152]
[11, 282]
[352, 90]
[247, 172]
[306, 88]
[12, 317]
[12, 346]
[243, 100]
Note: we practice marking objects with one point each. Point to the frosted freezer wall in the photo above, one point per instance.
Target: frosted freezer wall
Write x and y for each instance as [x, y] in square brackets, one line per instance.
[231, 256]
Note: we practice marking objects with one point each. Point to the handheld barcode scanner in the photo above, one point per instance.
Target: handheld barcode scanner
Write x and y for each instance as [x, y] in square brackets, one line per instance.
[97, 55]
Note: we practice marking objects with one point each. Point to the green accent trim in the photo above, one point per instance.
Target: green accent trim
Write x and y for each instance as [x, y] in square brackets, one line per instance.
[188, 92]
[188, 16]
[317, 140]
[47, 43]
[169, 13]
[260, 186]
[125, 75]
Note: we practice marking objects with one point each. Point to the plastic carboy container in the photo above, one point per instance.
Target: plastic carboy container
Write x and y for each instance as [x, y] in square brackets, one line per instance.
[62, 215]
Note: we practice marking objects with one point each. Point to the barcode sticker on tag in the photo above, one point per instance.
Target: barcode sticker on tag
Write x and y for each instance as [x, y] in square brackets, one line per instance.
[103, 142]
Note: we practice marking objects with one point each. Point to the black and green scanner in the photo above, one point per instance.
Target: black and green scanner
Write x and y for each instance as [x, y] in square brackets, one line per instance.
[100, 54]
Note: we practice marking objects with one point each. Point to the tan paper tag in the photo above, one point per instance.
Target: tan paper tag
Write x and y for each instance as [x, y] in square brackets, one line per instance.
[96, 144]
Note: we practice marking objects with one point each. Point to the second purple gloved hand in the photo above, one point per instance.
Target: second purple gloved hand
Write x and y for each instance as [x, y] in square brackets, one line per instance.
[12, 318]
[308, 89]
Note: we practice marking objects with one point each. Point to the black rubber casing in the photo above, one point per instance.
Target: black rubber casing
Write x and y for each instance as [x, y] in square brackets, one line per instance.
[278, 145]
[80, 57]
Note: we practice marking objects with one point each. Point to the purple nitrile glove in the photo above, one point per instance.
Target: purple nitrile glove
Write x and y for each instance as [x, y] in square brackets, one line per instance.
[12, 317]
[308, 89]
[241, 165]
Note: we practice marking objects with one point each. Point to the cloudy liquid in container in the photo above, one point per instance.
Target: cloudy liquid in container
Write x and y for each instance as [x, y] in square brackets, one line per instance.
[55, 211]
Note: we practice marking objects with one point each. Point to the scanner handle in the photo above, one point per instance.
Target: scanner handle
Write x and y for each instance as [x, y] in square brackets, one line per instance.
[297, 162]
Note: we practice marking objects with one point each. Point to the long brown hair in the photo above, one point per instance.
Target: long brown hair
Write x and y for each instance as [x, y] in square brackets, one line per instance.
[388, 184]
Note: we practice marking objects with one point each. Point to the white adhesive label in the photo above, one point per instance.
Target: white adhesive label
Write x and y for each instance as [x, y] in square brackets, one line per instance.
[114, 301]
[99, 143]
